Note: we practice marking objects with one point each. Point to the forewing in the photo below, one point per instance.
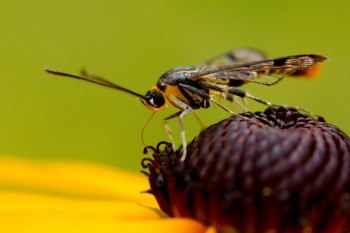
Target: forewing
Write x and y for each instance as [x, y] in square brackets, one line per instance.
[267, 72]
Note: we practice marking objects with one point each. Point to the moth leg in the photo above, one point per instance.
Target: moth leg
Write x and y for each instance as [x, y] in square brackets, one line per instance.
[200, 122]
[222, 106]
[233, 113]
[180, 115]
[244, 94]
[204, 95]
[215, 88]
[234, 101]
[182, 132]
[269, 104]
[167, 128]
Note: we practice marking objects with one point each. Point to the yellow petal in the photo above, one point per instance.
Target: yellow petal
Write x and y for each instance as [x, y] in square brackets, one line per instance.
[95, 198]
[27, 212]
[71, 178]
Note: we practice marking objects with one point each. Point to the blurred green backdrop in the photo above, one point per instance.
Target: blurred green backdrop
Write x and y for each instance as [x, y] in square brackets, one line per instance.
[132, 43]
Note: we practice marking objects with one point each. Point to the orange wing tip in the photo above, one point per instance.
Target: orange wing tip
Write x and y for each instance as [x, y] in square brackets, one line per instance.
[309, 72]
[313, 71]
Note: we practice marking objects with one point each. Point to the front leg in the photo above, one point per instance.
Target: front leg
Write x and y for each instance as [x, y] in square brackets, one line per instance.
[182, 132]
[167, 128]
[186, 110]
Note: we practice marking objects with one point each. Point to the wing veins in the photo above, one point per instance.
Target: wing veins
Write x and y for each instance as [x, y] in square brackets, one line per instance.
[267, 64]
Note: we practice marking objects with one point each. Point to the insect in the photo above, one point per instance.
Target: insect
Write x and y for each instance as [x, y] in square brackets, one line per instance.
[188, 88]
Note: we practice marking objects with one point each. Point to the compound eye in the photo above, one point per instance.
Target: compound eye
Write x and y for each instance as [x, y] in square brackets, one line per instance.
[154, 99]
[157, 99]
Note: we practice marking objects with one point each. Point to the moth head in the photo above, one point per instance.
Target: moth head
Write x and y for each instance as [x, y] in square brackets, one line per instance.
[154, 100]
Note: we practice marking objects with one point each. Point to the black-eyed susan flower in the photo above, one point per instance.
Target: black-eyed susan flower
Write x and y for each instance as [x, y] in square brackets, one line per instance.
[289, 173]
[278, 172]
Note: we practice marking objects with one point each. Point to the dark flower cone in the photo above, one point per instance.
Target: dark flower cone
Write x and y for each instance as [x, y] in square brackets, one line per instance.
[277, 171]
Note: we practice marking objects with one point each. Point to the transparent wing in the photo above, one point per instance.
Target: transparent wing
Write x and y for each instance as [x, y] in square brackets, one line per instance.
[235, 56]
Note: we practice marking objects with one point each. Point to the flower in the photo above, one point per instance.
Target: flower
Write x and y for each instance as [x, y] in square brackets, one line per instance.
[67, 196]
[277, 171]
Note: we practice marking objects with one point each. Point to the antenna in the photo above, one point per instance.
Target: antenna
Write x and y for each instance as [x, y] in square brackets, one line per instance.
[94, 79]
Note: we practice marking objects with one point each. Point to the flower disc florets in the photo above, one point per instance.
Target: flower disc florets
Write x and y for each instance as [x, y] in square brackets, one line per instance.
[277, 171]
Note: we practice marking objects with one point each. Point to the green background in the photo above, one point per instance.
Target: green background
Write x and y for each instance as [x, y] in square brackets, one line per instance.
[132, 43]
